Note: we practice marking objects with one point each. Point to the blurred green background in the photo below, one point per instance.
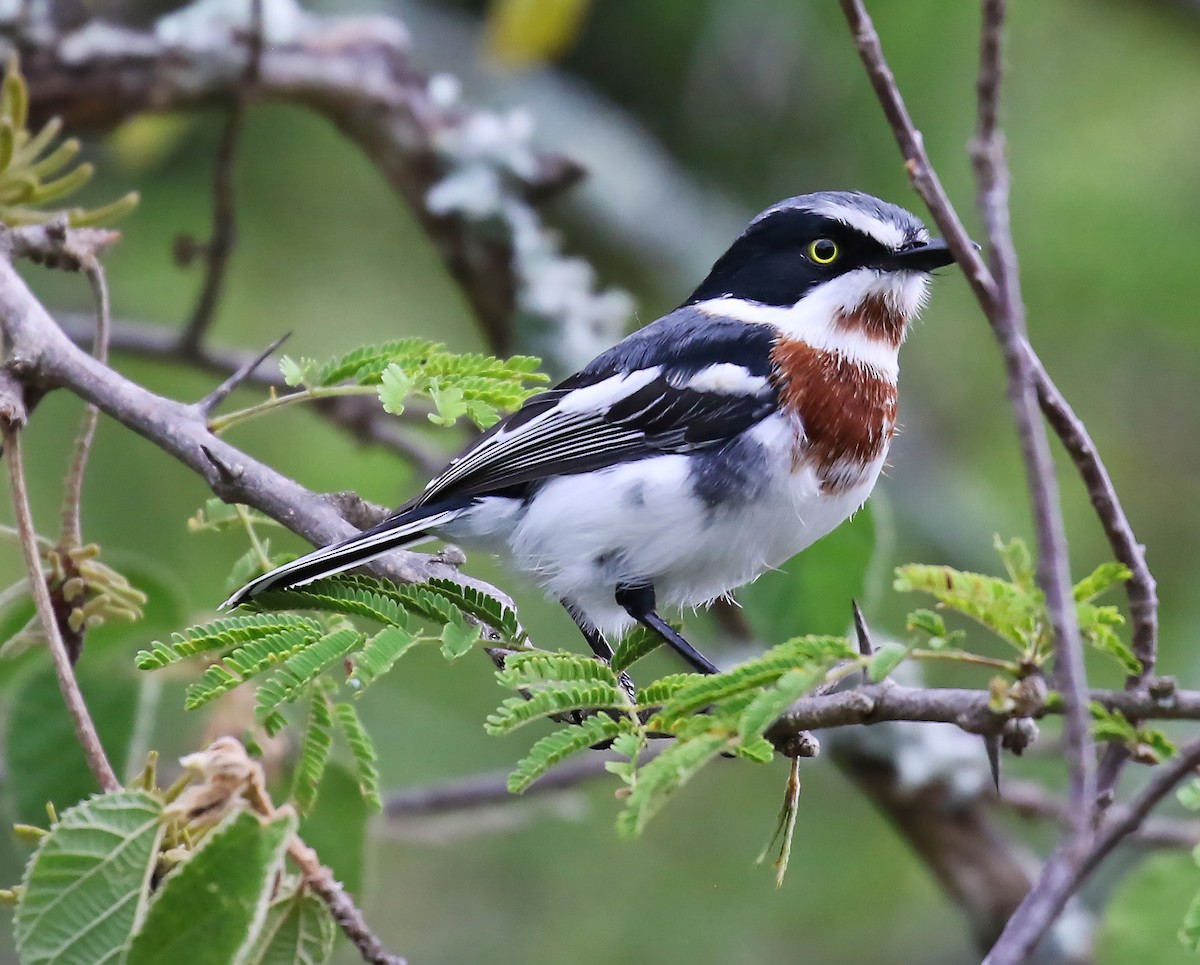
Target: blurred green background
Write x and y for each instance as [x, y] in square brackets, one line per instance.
[745, 103]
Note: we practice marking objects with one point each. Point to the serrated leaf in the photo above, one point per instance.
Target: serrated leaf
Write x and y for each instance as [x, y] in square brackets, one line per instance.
[657, 779]
[298, 372]
[85, 886]
[457, 640]
[1006, 609]
[886, 658]
[209, 909]
[555, 748]
[927, 622]
[366, 767]
[298, 930]
[1017, 560]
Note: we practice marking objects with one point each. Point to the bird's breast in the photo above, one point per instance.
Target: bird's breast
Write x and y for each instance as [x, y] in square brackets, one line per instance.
[843, 412]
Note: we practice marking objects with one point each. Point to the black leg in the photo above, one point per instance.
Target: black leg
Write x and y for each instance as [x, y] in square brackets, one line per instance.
[600, 646]
[638, 601]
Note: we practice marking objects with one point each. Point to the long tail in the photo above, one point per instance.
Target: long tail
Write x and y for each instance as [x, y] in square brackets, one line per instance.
[399, 531]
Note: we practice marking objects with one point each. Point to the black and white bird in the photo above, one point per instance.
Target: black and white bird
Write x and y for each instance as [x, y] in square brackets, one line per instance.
[704, 449]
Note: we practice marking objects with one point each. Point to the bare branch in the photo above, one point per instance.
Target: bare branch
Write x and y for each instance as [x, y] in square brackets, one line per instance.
[218, 395]
[12, 418]
[72, 526]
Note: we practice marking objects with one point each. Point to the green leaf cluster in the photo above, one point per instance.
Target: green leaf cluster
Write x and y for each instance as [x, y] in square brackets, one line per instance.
[1146, 745]
[1014, 609]
[706, 716]
[296, 658]
[36, 169]
[477, 386]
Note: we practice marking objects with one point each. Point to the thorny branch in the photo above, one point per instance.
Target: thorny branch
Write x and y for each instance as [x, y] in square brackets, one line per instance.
[999, 296]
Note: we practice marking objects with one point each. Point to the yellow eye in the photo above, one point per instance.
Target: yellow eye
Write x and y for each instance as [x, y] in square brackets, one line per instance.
[823, 251]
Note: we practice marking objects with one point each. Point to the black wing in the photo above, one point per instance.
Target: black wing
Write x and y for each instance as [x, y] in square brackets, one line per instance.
[687, 382]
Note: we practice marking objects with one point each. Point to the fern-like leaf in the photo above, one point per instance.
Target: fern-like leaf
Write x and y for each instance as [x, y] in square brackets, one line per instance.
[637, 643]
[301, 669]
[536, 669]
[248, 661]
[314, 753]
[380, 653]
[478, 604]
[657, 779]
[517, 711]
[555, 748]
[349, 596]
[802, 652]
[222, 634]
[366, 766]
[1002, 607]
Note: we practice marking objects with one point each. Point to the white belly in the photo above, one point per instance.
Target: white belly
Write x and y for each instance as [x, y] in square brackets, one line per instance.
[581, 536]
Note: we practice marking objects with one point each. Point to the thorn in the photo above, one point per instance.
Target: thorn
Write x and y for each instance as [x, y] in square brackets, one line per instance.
[865, 646]
[227, 472]
[991, 744]
[218, 395]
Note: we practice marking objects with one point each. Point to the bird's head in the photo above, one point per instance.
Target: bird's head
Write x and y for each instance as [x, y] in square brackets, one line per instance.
[819, 264]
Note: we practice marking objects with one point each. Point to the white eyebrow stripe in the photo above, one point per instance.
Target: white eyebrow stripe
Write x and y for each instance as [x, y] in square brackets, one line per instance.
[887, 233]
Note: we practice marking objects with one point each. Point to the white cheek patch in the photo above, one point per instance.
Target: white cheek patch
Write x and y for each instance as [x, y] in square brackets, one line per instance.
[726, 378]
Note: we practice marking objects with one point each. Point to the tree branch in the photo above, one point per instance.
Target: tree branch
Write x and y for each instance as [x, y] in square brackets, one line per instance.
[12, 419]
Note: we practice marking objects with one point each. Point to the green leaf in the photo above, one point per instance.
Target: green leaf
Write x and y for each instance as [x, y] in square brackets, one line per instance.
[1103, 578]
[657, 779]
[1012, 613]
[927, 622]
[1189, 794]
[44, 761]
[478, 604]
[536, 669]
[767, 706]
[210, 908]
[336, 828]
[296, 373]
[637, 643]
[517, 711]
[220, 634]
[292, 679]
[298, 930]
[394, 387]
[555, 748]
[85, 886]
[366, 767]
[450, 403]
[379, 654]
[1111, 725]
[1189, 932]
[457, 640]
[885, 659]
[1018, 562]
[314, 754]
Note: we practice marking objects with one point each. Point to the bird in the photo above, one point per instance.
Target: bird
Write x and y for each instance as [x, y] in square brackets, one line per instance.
[702, 450]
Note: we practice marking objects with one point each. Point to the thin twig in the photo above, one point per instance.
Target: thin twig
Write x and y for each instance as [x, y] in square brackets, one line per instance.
[221, 392]
[85, 730]
[72, 527]
[1008, 322]
[361, 416]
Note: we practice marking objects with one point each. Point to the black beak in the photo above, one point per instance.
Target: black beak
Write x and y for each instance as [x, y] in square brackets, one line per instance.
[920, 257]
